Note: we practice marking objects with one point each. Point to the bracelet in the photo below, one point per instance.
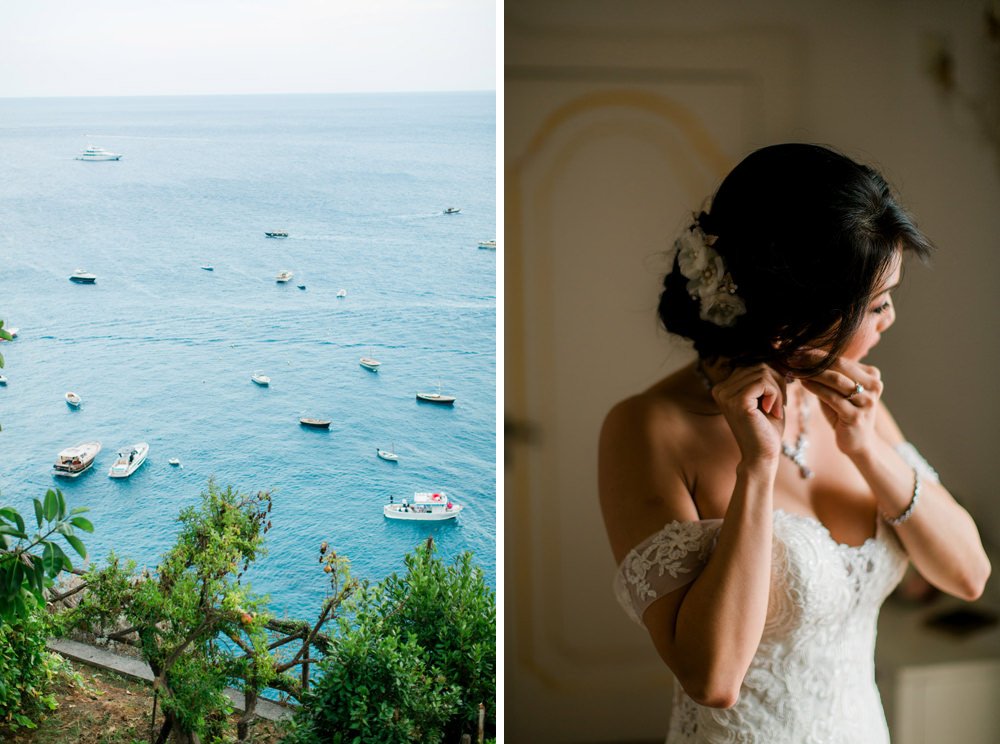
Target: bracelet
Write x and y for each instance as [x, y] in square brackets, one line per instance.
[913, 503]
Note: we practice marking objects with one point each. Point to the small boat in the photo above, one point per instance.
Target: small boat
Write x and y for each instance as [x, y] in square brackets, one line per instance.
[98, 153]
[283, 277]
[3, 381]
[73, 461]
[368, 363]
[428, 507]
[301, 286]
[316, 423]
[341, 293]
[276, 234]
[174, 461]
[388, 454]
[445, 400]
[490, 245]
[82, 277]
[207, 267]
[129, 460]
[452, 210]
[74, 400]
[261, 379]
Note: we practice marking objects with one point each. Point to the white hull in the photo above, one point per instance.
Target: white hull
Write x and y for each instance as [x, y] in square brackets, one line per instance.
[74, 400]
[387, 455]
[84, 456]
[122, 467]
[395, 511]
[369, 363]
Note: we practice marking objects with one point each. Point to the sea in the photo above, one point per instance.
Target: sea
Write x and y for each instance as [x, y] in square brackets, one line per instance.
[161, 350]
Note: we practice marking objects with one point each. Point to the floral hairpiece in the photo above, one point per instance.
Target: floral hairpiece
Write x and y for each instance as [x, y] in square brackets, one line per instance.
[708, 280]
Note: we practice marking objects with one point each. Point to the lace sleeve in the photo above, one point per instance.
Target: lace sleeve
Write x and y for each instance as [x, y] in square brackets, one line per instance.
[663, 562]
[916, 461]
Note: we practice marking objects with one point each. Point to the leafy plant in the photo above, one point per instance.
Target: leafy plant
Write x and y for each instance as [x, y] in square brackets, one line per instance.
[412, 662]
[22, 570]
[179, 611]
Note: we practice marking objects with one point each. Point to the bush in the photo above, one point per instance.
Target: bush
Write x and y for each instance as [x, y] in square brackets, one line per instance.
[27, 669]
[413, 662]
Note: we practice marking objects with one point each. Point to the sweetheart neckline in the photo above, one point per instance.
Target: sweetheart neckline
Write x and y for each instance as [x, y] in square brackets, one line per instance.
[826, 530]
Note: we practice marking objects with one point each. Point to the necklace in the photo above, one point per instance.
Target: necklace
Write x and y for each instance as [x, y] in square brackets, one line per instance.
[796, 453]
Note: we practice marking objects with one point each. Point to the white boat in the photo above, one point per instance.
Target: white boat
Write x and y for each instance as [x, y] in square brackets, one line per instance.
[341, 293]
[452, 210]
[426, 507]
[82, 277]
[369, 363]
[129, 460]
[174, 461]
[388, 454]
[73, 461]
[490, 245]
[73, 399]
[283, 276]
[98, 153]
[315, 423]
[3, 380]
[445, 400]
[261, 379]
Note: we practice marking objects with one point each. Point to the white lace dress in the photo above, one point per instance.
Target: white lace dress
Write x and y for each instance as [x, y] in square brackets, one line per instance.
[812, 679]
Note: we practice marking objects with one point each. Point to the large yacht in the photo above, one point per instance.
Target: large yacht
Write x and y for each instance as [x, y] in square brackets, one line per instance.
[98, 153]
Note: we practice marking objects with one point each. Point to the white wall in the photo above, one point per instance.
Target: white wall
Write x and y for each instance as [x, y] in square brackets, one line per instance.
[849, 74]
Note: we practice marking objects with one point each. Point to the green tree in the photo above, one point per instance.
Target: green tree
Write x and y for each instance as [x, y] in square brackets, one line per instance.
[411, 662]
[180, 611]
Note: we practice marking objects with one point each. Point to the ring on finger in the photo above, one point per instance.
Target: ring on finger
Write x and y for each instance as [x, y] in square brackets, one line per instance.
[858, 389]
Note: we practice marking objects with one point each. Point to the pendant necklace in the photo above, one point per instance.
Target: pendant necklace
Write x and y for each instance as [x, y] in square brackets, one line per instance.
[796, 453]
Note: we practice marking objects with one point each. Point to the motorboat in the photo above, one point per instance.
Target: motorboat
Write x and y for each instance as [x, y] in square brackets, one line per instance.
[207, 267]
[283, 277]
[74, 400]
[98, 153]
[3, 381]
[82, 277]
[427, 507]
[73, 461]
[174, 461]
[368, 363]
[261, 379]
[129, 460]
[301, 286]
[452, 210]
[276, 234]
[315, 423]
[388, 454]
[341, 293]
[489, 245]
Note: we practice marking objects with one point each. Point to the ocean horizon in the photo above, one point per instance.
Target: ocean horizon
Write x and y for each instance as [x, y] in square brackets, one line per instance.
[161, 350]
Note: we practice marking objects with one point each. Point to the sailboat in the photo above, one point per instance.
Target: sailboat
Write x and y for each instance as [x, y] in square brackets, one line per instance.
[445, 400]
[389, 454]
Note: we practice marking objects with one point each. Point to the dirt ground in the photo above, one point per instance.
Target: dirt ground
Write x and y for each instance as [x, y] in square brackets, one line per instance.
[109, 709]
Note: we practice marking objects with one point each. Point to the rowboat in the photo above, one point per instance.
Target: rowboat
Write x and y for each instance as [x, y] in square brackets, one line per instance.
[316, 423]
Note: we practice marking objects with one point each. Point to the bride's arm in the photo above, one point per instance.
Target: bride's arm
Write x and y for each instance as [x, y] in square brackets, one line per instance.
[708, 631]
[939, 535]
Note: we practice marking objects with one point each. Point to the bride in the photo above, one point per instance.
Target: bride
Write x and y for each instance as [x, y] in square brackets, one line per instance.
[762, 503]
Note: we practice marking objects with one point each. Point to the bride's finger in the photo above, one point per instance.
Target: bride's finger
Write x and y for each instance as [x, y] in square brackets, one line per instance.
[847, 409]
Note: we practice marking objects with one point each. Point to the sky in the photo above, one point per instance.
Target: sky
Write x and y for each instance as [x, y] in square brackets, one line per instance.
[188, 47]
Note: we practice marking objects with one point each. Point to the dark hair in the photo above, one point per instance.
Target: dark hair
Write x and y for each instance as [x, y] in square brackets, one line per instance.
[807, 235]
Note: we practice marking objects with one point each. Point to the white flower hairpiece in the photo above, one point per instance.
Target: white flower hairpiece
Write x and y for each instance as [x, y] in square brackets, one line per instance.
[708, 280]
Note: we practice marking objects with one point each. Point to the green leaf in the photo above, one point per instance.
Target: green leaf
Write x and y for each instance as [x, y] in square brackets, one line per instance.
[51, 505]
[82, 523]
[77, 544]
[62, 504]
[64, 562]
[38, 512]
[8, 513]
[9, 529]
[79, 510]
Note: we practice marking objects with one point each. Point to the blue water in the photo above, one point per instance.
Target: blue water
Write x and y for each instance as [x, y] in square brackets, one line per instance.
[162, 351]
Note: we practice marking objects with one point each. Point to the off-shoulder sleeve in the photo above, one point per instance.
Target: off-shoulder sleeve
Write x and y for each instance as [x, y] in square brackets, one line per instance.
[916, 461]
[663, 562]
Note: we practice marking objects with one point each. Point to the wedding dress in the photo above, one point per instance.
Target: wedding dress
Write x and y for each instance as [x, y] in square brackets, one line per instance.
[812, 679]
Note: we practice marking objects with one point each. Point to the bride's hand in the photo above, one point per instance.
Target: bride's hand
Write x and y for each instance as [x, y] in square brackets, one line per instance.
[849, 393]
[753, 401]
